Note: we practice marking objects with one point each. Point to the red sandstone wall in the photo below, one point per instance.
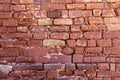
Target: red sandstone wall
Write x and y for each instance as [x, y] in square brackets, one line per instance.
[59, 39]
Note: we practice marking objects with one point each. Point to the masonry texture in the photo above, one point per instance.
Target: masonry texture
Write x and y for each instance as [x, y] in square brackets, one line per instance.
[59, 39]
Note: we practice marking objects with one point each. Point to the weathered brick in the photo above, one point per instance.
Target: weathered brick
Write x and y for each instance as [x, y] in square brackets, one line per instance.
[70, 66]
[95, 20]
[71, 43]
[98, 59]
[75, 6]
[93, 27]
[76, 35]
[113, 27]
[64, 14]
[77, 58]
[25, 15]
[79, 50]
[113, 20]
[40, 14]
[54, 50]
[79, 13]
[108, 13]
[116, 42]
[82, 43]
[24, 60]
[34, 43]
[5, 15]
[5, 7]
[23, 35]
[54, 14]
[104, 43]
[41, 35]
[46, 21]
[67, 50]
[22, 29]
[88, 1]
[10, 22]
[28, 22]
[5, 1]
[57, 7]
[18, 7]
[111, 35]
[118, 11]
[60, 59]
[59, 28]
[95, 6]
[52, 42]
[66, 73]
[52, 74]
[63, 21]
[112, 50]
[92, 35]
[79, 73]
[78, 20]
[38, 29]
[75, 28]
[60, 35]
[33, 7]
[26, 1]
[97, 12]
[94, 50]
[113, 0]
[103, 66]
[91, 43]
[61, 1]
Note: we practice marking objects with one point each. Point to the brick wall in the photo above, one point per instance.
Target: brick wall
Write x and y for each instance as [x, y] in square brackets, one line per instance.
[59, 39]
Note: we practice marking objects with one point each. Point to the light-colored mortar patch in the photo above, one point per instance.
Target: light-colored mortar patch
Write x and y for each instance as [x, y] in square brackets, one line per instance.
[5, 68]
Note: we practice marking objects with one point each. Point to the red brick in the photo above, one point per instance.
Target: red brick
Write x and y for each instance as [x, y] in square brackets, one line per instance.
[79, 73]
[78, 21]
[79, 13]
[104, 43]
[62, 1]
[98, 59]
[77, 58]
[22, 29]
[35, 52]
[97, 12]
[34, 43]
[71, 43]
[10, 22]
[103, 66]
[93, 27]
[75, 28]
[3, 29]
[113, 0]
[25, 15]
[92, 35]
[38, 29]
[82, 43]
[23, 35]
[45, 22]
[60, 59]
[64, 14]
[76, 35]
[88, 0]
[56, 66]
[113, 20]
[97, 79]
[66, 73]
[57, 7]
[113, 60]
[60, 36]
[79, 50]
[112, 50]
[54, 14]
[54, 50]
[87, 59]
[91, 43]
[112, 35]
[24, 60]
[94, 50]
[67, 50]
[59, 28]
[42, 74]
[12, 29]
[113, 27]
[108, 13]
[116, 42]
[95, 20]
[41, 59]
[52, 74]
[40, 14]
[26, 1]
[5, 7]
[114, 5]
[41, 35]
[18, 7]
[15, 1]
[70, 66]
[5, 15]
[95, 6]
[116, 78]
[63, 21]
[75, 6]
